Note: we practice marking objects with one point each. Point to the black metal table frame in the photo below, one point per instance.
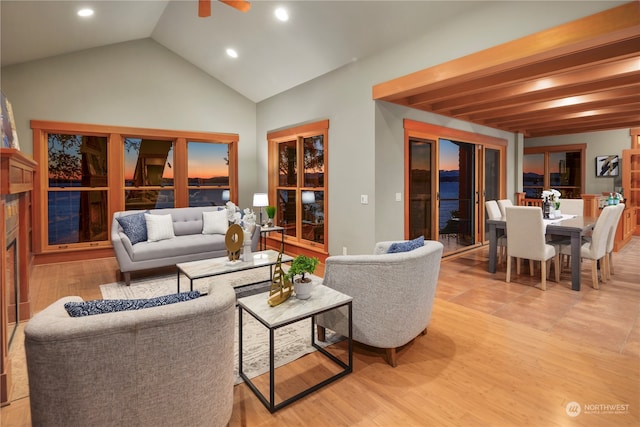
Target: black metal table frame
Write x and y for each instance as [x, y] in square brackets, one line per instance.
[265, 233]
[270, 403]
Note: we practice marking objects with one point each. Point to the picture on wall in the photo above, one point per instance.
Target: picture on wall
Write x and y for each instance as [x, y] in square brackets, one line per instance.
[607, 166]
[9, 135]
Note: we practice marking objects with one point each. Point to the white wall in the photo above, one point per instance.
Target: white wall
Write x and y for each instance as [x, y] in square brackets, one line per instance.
[138, 84]
[598, 144]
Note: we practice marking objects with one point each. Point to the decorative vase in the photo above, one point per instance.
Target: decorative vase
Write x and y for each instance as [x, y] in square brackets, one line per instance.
[302, 289]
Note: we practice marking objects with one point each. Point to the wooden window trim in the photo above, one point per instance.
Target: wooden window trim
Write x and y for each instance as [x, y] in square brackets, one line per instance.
[297, 133]
[115, 140]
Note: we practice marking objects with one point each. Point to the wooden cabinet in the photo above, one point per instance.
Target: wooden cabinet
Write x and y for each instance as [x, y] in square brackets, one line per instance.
[626, 228]
[631, 187]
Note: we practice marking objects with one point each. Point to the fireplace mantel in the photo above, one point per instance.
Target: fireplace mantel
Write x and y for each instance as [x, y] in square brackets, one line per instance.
[16, 183]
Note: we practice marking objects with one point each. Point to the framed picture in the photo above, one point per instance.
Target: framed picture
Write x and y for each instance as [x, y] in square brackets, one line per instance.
[607, 166]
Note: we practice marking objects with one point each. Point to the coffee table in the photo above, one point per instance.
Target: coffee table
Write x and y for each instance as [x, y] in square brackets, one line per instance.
[216, 266]
[293, 310]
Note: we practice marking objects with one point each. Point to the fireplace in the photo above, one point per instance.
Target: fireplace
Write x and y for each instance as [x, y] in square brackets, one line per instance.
[12, 288]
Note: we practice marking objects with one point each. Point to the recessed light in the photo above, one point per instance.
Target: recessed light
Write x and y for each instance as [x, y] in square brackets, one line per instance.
[232, 53]
[85, 12]
[281, 14]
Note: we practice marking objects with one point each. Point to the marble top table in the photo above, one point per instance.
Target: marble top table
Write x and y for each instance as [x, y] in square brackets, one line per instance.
[293, 310]
[216, 266]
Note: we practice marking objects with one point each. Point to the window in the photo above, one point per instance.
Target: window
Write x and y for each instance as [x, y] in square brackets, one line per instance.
[559, 167]
[297, 183]
[87, 172]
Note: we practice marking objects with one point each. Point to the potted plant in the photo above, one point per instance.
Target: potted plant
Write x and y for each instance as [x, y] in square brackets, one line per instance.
[271, 212]
[300, 266]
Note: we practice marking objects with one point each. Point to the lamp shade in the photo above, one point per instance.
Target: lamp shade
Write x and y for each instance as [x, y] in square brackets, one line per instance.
[225, 195]
[260, 199]
[308, 197]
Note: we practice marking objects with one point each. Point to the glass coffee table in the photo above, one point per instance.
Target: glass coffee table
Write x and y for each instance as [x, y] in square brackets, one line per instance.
[293, 310]
[216, 266]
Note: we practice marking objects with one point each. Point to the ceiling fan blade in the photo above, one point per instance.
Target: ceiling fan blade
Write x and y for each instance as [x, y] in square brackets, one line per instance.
[204, 8]
[241, 5]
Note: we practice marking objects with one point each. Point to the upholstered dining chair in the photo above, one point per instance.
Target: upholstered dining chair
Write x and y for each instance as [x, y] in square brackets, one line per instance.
[502, 204]
[493, 212]
[526, 239]
[612, 237]
[572, 207]
[596, 248]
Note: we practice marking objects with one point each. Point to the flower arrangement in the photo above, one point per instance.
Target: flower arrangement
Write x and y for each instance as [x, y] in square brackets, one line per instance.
[232, 213]
[552, 196]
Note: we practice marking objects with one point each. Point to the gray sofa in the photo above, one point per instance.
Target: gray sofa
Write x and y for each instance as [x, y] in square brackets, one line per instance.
[169, 365]
[189, 244]
[392, 294]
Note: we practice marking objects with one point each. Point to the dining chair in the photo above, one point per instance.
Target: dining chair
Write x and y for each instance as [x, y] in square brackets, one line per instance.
[493, 212]
[612, 237]
[526, 239]
[596, 248]
[572, 207]
[502, 204]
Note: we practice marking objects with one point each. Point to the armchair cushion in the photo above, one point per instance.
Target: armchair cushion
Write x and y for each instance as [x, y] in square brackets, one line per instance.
[88, 308]
[134, 226]
[407, 246]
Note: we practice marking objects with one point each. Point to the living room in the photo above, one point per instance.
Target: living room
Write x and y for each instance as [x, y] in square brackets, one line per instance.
[141, 83]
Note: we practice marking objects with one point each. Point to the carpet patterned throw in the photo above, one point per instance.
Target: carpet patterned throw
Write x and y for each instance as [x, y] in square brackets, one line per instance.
[291, 342]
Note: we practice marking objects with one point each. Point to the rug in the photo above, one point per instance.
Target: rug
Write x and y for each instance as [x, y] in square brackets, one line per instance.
[291, 342]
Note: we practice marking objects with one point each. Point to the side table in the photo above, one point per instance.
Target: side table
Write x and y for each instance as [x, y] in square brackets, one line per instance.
[264, 232]
[293, 310]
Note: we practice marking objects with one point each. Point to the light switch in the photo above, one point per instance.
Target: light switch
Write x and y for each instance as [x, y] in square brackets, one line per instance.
[364, 199]
[398, 197]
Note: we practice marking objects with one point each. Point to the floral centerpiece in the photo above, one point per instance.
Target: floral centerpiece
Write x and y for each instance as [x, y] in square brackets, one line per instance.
[233, 214]
[552, 196]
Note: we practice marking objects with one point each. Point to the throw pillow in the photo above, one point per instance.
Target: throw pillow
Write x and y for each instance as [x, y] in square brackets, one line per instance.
[407, 246]
[88, 308]
[134, 226]
[159, 227]
[215, 222]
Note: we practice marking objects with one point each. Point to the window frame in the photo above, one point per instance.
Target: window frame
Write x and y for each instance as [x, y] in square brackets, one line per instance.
[116, 184]
[547, 151]
[298, 134]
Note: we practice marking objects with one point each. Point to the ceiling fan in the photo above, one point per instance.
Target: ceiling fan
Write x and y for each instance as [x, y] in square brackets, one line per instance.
[204, 6]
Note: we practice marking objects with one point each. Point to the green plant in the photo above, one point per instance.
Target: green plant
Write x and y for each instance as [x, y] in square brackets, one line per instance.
[302, 265]
[271, 211]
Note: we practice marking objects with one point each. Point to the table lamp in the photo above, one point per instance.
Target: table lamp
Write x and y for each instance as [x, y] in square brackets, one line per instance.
[260, 200]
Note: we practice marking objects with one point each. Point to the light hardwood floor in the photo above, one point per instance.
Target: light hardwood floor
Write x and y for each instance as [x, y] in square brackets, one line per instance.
[496, 354]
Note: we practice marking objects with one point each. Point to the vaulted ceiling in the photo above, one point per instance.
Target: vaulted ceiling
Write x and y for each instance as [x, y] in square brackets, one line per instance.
[583, 76]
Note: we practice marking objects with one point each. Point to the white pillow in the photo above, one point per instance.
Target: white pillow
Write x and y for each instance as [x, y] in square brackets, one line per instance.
[215, 222]
[159, 227]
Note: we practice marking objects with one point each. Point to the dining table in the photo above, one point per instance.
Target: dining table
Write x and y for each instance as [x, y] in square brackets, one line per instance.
[570, 226]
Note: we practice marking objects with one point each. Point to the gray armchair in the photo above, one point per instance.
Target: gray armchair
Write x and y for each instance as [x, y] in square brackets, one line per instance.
[167, 365]
[392, 294]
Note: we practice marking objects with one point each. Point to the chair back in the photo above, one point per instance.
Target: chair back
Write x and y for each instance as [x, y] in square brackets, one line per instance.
[598, 247]
[614, 226]
[502, 204]
[525, 232]
[572, 206]
[493, 210]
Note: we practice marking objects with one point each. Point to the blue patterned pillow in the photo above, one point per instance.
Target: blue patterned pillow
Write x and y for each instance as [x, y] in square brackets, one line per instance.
[134, 226]
[100, 306]
[407, 246]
